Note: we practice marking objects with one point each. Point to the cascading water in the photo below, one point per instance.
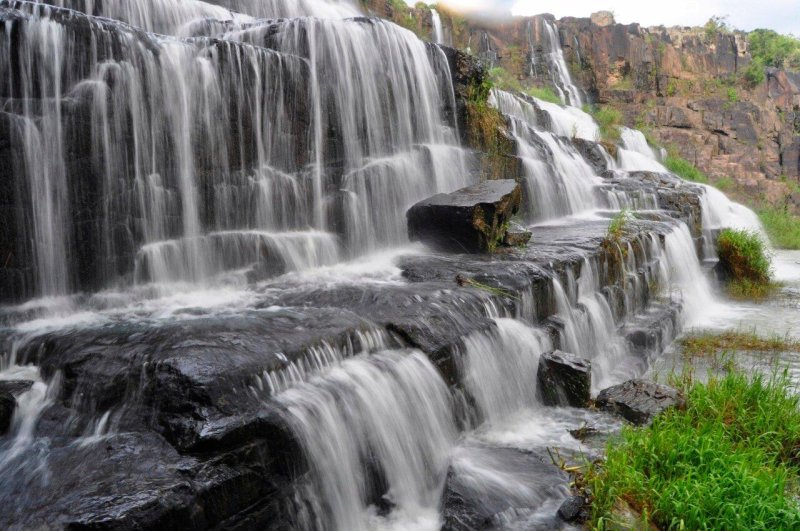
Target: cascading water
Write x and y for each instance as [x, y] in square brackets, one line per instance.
[570, 94]
[635, 153]
[559, 180]
[392, 412]
[201, 146]
[166, 151]
[438, 31]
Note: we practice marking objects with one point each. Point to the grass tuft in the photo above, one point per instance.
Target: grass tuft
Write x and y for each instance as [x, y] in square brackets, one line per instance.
[743, 255]
[685, 169]
[544, 94]
[728, 461]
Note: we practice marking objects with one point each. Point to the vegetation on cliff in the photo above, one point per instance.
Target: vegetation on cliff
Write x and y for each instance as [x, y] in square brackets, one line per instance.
[486, 128]
[685, 169]
[729, 460]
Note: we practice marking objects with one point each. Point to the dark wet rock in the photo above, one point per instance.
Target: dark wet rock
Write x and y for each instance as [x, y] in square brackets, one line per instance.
[472, 220]
[9, 390]
[593, 153]
[564, 379]
[517, 235]
[7, 405]
[469, 505]
[15, 387]
[138, 481]
[638, 401]
[572, 510]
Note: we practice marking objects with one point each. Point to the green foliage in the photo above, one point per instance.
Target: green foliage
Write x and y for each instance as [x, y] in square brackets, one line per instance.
[685, 169]
[753, 75]
[773, 49]
[503, 79]
[617, 228]
[744, 255]
[725, 462]
[724, 183]
[544, 94]
[485, 129]
[715, 26]
[783, 227]
[732, 95]
[609, 119]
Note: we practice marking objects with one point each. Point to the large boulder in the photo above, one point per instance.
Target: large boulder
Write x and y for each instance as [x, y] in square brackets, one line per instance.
[472, 220]
[564, 379]
[638, 401]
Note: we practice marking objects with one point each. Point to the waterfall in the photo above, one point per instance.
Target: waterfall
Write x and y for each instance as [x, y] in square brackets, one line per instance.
[438, 32]
[559, 180]
[635, 153]
[297, 141]
[570, 94]
[389, 414]
[501, 366]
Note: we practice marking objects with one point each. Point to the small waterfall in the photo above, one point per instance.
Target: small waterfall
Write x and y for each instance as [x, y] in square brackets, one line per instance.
[438, 32]
[500, 367]
[570, 94]
[685, 277]
[559, 180]
[389, 414]
[636, 154]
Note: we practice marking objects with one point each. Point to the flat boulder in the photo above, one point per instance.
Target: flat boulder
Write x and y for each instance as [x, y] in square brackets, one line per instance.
[638, 401]
[471, 220]
[564, 379]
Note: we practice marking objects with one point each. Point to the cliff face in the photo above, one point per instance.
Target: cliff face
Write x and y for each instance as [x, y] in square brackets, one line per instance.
[683, 86]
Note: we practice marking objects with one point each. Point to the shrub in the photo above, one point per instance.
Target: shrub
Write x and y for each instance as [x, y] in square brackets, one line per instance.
[782, 227]
[609, 119]
[725, 462]
[744, 257]
[754, 74]
[770, 48]
[685, 169]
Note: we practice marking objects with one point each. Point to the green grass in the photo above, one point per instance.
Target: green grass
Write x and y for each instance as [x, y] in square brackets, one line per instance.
[609, 119]
[544, 94]
[685, 169]
[709, 344]
[782, 226]
[744, 255]
[729, 460]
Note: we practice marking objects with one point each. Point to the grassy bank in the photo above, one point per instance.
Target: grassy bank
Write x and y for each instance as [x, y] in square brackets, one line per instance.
[728, 461]
[782, 226]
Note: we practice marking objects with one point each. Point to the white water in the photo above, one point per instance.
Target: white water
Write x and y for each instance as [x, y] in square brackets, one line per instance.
[438, 32]
[636, 154]
[393, 408]
[569, 93]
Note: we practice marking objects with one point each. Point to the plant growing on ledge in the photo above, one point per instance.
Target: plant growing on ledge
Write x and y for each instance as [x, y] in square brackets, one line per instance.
[485, 129]
[609, 119]
[685, 169]
[745, 263]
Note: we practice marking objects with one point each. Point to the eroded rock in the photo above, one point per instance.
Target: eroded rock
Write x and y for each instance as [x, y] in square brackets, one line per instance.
[474, 219]
[638, 401]
[564, 379]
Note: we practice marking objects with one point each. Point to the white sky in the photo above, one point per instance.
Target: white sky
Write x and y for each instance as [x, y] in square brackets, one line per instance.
[780, 15]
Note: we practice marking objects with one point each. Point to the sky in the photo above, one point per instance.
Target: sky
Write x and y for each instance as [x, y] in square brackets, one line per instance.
[781, 15]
